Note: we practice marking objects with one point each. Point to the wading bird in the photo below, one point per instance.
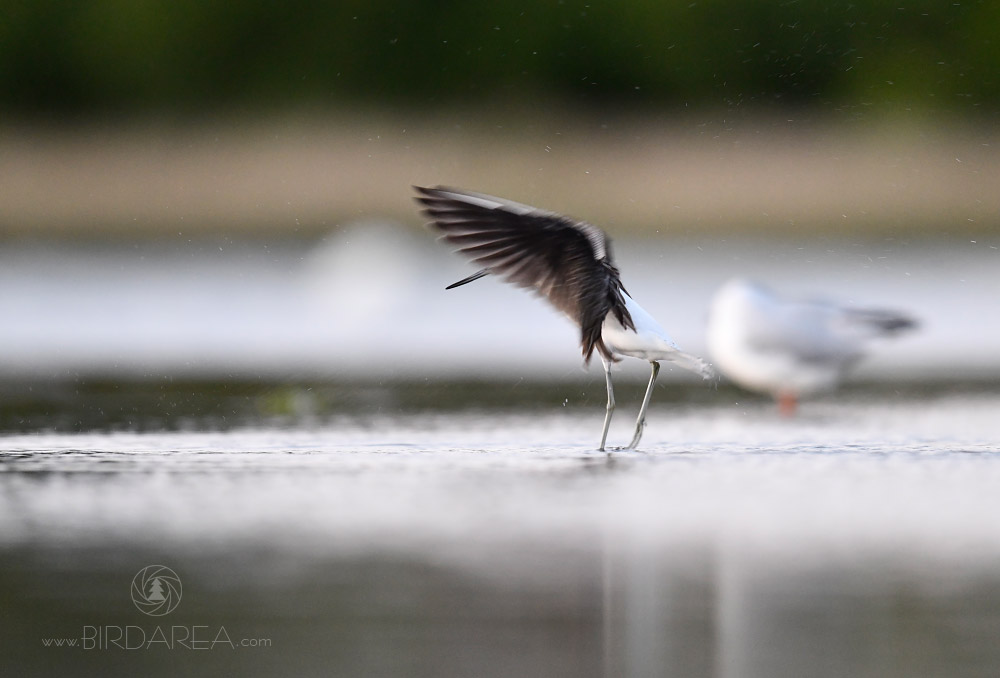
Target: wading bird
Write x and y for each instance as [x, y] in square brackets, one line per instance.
[790, 348]
[569, 263]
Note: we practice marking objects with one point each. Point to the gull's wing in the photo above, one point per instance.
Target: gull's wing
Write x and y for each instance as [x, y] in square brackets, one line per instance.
[567, 261]
[877, 322]
[807, 331]
[818, 331]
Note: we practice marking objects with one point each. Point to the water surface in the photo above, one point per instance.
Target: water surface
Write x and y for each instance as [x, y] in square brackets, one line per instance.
[401, 536]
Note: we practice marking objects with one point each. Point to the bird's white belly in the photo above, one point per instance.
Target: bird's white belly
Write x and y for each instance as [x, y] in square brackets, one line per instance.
[636, 344]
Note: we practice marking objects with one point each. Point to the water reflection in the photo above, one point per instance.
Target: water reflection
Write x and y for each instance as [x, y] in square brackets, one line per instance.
[621, 609]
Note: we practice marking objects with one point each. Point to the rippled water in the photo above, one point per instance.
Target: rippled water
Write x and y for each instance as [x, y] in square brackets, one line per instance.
[484, 535]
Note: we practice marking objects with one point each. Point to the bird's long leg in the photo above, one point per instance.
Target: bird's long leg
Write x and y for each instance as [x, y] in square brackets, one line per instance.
[641, 421]
[611, 402]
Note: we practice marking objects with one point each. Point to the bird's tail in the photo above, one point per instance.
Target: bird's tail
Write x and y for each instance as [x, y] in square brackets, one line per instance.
[881, 322]
[692, 363]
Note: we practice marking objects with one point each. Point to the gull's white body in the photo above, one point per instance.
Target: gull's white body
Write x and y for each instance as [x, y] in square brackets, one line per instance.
[789, 348]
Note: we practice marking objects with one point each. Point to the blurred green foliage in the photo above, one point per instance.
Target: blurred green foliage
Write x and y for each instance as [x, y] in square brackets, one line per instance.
[68, 57]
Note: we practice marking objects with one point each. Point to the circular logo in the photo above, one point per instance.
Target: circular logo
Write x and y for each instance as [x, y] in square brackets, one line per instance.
[156, 590]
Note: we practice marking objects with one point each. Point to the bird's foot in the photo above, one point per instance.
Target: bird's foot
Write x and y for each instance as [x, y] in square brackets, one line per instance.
[620, 448]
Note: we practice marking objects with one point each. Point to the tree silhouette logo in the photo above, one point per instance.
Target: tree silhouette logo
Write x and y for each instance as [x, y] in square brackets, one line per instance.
[156, 590]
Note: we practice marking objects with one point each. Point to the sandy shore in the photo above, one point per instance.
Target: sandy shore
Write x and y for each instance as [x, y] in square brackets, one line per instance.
[301, 175]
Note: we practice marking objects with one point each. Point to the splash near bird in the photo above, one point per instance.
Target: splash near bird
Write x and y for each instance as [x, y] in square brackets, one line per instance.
[791, 348]
[569, 263]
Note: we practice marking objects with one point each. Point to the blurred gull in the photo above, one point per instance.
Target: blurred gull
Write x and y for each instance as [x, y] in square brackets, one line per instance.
[568, 262]
[379, 252]
[791, 348]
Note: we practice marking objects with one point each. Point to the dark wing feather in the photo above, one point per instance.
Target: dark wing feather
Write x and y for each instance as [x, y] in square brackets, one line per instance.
[568, 262]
